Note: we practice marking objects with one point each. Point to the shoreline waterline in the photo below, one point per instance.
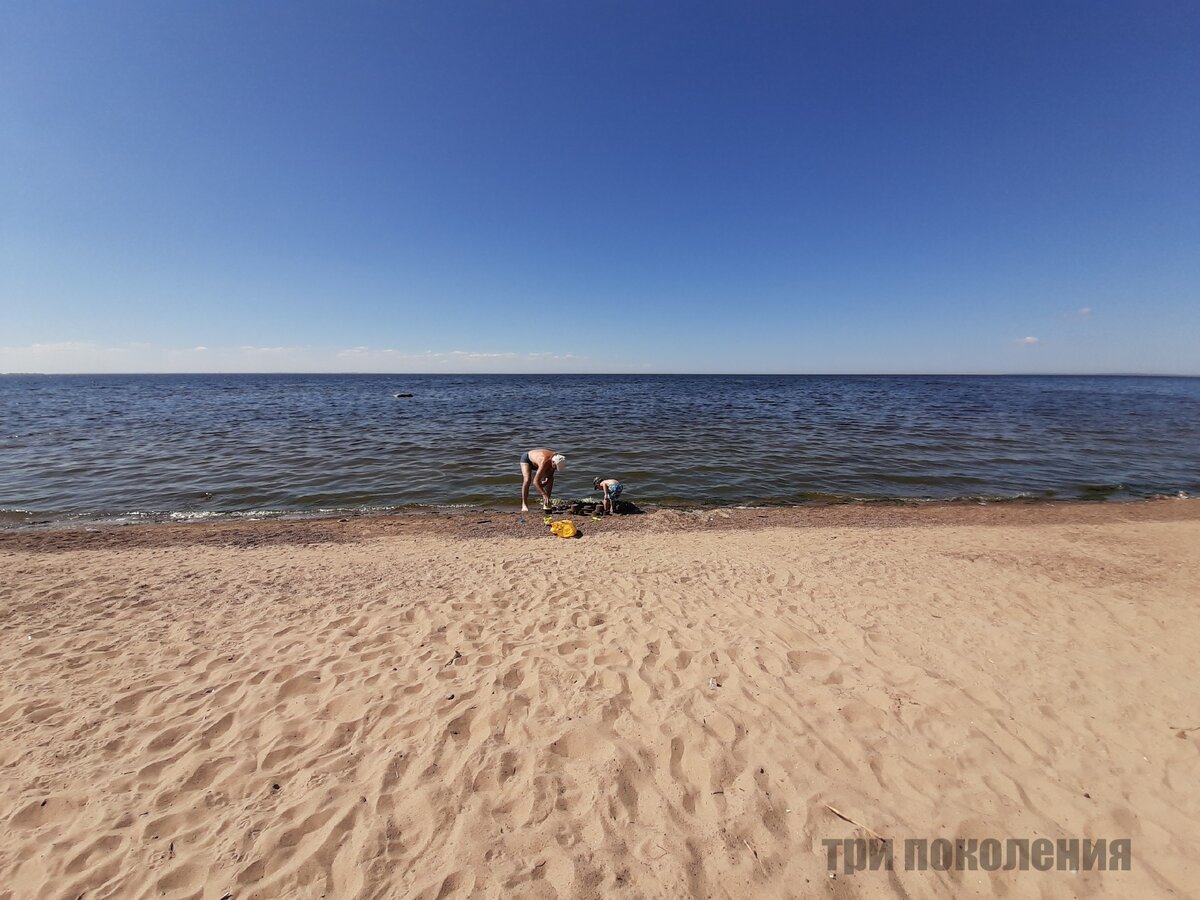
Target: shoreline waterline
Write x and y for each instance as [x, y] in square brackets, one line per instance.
[510, 520]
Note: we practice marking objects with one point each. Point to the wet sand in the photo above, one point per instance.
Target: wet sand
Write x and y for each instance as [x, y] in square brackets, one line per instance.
[670, 706]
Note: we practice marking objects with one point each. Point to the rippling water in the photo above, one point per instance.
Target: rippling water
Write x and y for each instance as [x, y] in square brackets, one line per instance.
[189, 445]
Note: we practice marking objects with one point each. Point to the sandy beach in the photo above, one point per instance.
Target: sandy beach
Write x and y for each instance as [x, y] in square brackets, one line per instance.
[674, 705]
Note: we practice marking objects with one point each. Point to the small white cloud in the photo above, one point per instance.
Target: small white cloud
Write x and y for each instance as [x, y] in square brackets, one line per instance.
[1083, 312]
[1028, 340]
[199, 349]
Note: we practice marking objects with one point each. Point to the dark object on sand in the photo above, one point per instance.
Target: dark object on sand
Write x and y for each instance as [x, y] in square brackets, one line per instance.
[401, 395]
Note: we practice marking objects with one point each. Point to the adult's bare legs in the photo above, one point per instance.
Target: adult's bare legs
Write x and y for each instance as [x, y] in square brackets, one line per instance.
[526, 477]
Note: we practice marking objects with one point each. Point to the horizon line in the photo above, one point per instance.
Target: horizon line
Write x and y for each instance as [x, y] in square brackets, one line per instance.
[641, 374]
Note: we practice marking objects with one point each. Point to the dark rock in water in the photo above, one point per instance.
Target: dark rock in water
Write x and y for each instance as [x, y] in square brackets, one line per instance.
[401, 395]
[594, 507]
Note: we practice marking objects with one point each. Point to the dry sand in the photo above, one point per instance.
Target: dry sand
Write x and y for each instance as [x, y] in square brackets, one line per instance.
[667, 707]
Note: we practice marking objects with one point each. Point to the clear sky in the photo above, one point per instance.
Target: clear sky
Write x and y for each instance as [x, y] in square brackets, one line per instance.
[564, 186]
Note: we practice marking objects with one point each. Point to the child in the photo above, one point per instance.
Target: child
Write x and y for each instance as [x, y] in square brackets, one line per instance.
[612, 492]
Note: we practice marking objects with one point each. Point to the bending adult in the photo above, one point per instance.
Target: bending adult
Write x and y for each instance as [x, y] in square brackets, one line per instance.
[538, 468]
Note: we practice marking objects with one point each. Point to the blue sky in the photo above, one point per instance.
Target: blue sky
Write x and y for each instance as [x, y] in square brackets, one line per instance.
[665, 187]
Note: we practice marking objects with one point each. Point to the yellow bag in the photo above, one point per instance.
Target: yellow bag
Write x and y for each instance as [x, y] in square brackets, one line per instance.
[564, 529]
